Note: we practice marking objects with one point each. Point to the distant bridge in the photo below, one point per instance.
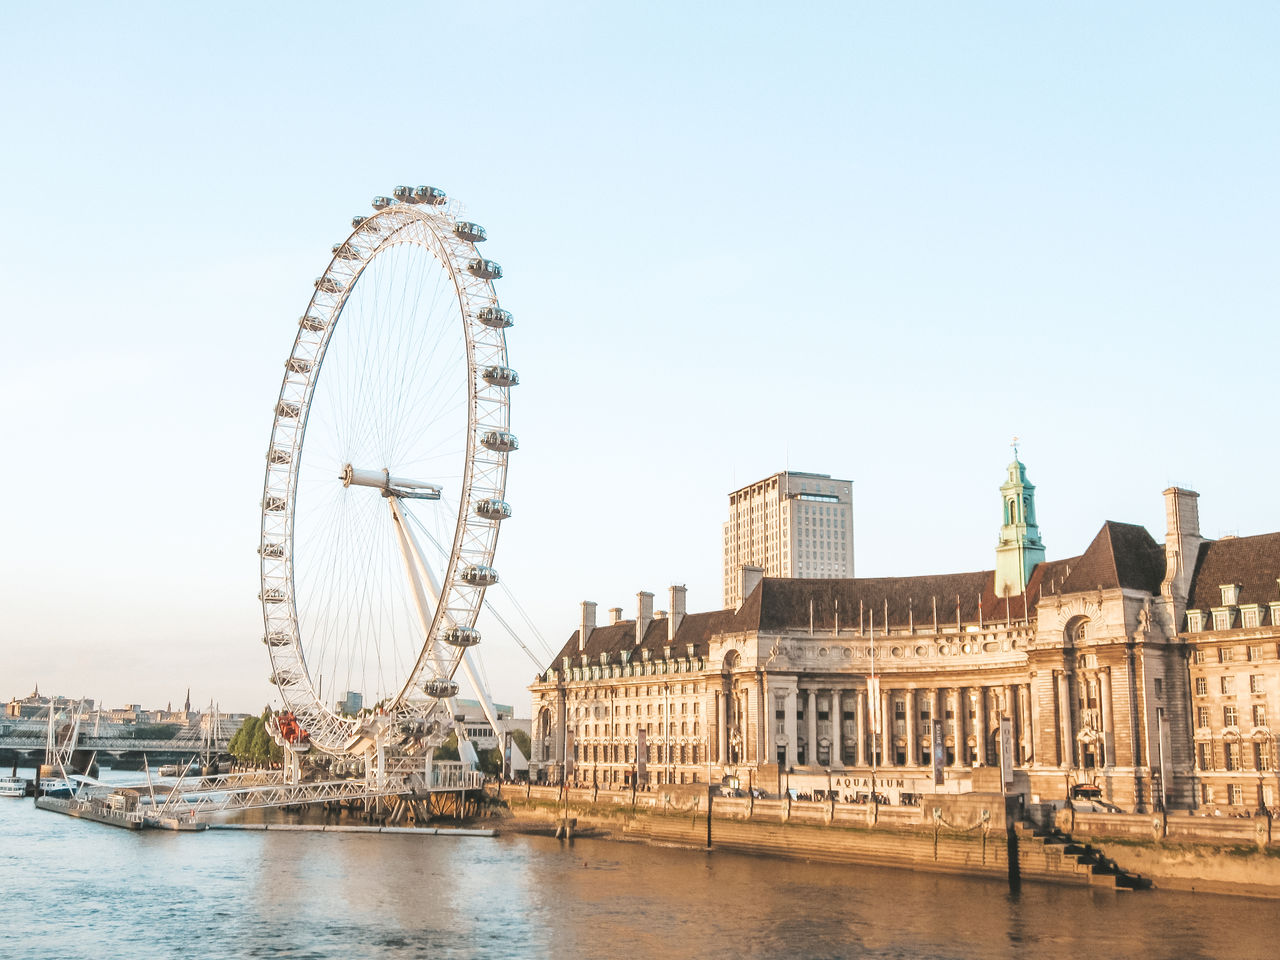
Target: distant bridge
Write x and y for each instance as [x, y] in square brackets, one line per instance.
[26, 743]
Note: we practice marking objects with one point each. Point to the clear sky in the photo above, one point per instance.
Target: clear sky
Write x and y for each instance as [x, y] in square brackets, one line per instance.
[870, 240]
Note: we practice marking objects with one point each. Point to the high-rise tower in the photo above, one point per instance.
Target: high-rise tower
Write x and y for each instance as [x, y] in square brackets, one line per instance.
[791, 524]
[1020, 548]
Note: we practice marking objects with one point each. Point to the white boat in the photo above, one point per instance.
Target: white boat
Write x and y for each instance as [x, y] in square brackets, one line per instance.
[13, 787]
[56, 787]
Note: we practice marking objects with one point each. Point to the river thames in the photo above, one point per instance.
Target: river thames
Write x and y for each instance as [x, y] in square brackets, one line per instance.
[78, 889]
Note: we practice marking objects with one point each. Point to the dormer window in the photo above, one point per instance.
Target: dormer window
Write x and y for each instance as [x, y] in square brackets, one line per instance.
[1250, 615]
[1275, 614]
[1230, 594]
[1195, 621]
[1222, 619]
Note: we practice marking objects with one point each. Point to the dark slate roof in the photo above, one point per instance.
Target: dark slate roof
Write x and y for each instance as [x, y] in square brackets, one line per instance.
[695, 628]
[1251, 562]
[1121, 555]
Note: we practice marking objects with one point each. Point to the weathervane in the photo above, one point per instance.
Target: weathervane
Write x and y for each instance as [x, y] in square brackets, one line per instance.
[1014, 444]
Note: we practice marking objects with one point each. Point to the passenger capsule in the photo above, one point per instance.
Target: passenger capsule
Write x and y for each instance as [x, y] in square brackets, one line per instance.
[287, 411]
[329, 285]
[471, 232]
[345, 251]
[272, 551]
[403, 195]
[495, 317]
[280, 455]
[461, 636]
[499, 441]
[484, 269]
[500, 376]
[440, 688]
[432, 195]
[491, 508]
[299, 365]
[273, 595]
[274, 504]
[277, 639]
[381, 203]
[314, 324]
[356, 221]
[478, 575]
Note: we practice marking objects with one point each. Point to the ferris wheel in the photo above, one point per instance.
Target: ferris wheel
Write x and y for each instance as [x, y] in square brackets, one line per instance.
[386, 475]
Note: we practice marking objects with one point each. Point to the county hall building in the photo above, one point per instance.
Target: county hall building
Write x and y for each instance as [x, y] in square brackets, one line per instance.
[1146, 673]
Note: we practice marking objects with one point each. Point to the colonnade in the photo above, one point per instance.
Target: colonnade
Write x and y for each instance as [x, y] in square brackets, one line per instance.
[830, 726]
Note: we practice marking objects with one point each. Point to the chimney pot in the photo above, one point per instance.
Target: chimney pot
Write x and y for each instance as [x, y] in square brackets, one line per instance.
[750, 579]
[587, 623]
[644, 614]
[678, 594]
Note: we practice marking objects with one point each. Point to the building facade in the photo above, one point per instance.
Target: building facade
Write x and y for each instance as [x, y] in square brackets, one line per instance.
[1146, 672]
[789, 525]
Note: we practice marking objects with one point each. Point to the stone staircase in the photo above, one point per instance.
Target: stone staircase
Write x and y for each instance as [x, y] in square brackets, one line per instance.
[1053, 855]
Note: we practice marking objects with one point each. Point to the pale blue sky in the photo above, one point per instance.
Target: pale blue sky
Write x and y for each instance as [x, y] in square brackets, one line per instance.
[868, 240]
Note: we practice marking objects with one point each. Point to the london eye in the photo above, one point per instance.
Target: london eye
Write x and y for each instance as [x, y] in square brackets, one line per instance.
[386, 477]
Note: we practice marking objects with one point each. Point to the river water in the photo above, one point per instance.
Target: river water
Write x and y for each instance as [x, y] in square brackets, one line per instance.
[71, 888]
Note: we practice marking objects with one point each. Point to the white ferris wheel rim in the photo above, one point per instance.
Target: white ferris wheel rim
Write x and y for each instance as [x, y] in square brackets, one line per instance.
[433, 227]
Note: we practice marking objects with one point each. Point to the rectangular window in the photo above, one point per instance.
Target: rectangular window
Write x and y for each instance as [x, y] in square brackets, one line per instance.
[1159, 687]
[1255, 683]
[1259, 715]
[1229, 716]
[1198, 656]
[1228, 685]
[1224, 653]
[1255, 653]
[1231, 756]
[1203, 756]
[1221, 620]
[1261, 757]
[1235, 796]
[1249, 618]
[1202, 687]
[1202, 716]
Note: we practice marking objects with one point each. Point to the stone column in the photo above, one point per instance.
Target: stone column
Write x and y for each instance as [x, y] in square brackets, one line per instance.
[811, 714]
[791, 726]
[1108, 732]
[886, 728]
[722, 729]
[860, 722]
[837, 730]
[913, 742]
[1024, 722]
[958, 724]
[1066, 753]
[980, 723]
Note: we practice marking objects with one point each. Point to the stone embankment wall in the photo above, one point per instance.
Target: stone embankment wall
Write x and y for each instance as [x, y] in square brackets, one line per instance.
[1236, 855]
[963, 834]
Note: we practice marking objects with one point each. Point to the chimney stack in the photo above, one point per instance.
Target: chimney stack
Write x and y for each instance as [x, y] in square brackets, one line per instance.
[615, 615]
[678, 593]
[751, 577]
[1181, 547]
[586, 624]
[644, 614]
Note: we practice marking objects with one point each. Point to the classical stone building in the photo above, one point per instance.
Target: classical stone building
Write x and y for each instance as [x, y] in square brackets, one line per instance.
[1145, 672]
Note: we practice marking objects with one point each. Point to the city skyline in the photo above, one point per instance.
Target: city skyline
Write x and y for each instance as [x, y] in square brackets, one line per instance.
[1051, 224]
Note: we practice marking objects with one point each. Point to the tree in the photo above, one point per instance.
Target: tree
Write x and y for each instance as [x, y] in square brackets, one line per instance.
[260, 748]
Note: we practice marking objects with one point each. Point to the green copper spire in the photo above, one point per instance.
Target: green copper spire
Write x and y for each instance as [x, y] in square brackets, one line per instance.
[1020, 548]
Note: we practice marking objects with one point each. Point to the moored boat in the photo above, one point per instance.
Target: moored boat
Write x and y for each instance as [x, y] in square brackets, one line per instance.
[13, 787]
